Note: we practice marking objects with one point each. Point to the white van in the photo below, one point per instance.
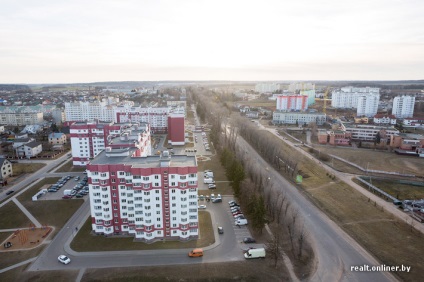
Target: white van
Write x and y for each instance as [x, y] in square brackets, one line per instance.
[241, 221]
[208, 181]
[255, 253]
[208, 174]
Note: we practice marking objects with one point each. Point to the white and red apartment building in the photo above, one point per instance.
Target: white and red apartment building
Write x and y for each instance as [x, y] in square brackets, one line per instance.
[151, 198]
[88, 139]
[156, 117]
[292, 103]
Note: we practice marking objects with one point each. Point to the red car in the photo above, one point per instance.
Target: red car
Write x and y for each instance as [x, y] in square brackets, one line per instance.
[67, 197]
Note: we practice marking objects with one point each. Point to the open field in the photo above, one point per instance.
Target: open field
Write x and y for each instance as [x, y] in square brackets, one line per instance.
[398, 190]
[11, 258]
[247, 271]
[15, 217]
[86, 242]
[363, 220]
[69, 167]
[20, 168]
[377, 160]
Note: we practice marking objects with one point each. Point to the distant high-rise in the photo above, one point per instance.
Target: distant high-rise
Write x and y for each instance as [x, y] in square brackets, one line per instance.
[292, 103]
[267, 87]
[403, 106]
[364, 99]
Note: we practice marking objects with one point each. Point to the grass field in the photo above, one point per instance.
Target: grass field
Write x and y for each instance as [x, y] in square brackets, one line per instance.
[20, 168]
[69, 167]
[378, 160]
[15, 217]
[391, 241]
[223, 185]
[398, 190]
[86, 242]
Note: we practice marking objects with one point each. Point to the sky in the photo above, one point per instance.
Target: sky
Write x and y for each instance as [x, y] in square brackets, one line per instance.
[50, 41]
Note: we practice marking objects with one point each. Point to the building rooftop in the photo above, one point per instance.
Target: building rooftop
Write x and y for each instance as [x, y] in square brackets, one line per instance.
[123, 156]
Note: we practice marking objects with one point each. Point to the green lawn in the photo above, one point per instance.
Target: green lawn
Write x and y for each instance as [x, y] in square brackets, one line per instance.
[86, 242]
[69, 167]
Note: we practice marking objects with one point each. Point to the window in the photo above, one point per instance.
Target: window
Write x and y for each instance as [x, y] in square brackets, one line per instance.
[156, 176]
[145, 178]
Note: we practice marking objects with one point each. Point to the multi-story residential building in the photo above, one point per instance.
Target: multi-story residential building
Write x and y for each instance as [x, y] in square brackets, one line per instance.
[11, 117]
[156, 117]
[88, 139]
[367, 105]
[298, 117]
[304, 88]
[176, 129]
[384, 119]
[151, 198]
[403, 106]
[267, 87]
[292, 103]
[97, 110]
[364, 99]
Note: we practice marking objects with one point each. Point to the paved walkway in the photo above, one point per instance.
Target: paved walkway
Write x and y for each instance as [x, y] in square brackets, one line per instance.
[18, 264]
[27, 213]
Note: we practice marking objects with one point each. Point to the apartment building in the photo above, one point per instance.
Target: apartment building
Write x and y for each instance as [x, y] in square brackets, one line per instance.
[292, 103]
[151, 198]
[176, 129]
[403, 106]
[365, 99]
[88, 139]
[298, 117]
[267, 87]
[57, 138]
[156, 117]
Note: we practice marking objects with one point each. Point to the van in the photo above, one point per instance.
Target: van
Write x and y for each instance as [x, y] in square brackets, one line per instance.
[241, 221]
[208, 174]
[196, 253]
[255, 253]
[208, 181]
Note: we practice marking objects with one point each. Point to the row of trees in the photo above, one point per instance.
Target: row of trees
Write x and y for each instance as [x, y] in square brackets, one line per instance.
[264, 201]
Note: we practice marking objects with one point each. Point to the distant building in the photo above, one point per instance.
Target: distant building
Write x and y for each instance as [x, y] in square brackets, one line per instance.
[176, 129]
[252, 114]
[365, 100]
[403, 106]
[156, 117]
[304, 88]
[57, 138]
[97, 110]
[384, 119]
[32, 149]
[334, 137]
[407, 141]
[24, 115]
[413, 122]
[298, 117]
[267, 87]
[369, 132]
[6, 170]
[292, 103]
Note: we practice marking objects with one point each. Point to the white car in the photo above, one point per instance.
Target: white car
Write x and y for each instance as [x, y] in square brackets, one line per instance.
[201, 207]
[64, 259]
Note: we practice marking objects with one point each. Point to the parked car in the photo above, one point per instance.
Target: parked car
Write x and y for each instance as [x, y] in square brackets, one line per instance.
[212, 186]
[202, 207]
[248, 240]
[64, 259]
[9, 192]
[67, 197]
[220, 230]
[217, 200]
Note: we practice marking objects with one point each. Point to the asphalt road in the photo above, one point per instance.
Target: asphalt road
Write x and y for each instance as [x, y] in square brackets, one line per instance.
[335, 249]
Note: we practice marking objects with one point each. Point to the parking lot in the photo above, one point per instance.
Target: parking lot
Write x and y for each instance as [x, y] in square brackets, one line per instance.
[68, 185]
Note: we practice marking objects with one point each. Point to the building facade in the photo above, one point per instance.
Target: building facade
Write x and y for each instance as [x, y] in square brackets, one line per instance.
[96, 110]
[369, 132]
[176, 129]
[156, 117]
[6, 170]
[403, 106]
[267, 87]
[151, 198]
[57, 138]
[384, 119]
[292, 103]
[365, 99]
[88, 139]
[300, 118]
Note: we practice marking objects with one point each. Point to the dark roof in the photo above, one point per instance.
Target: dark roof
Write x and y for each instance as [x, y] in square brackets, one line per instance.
[33, 144]
[2, 160]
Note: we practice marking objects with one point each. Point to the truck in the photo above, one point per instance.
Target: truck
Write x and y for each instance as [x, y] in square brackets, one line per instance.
[67, 192]
[255, 253]
[208, 181]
